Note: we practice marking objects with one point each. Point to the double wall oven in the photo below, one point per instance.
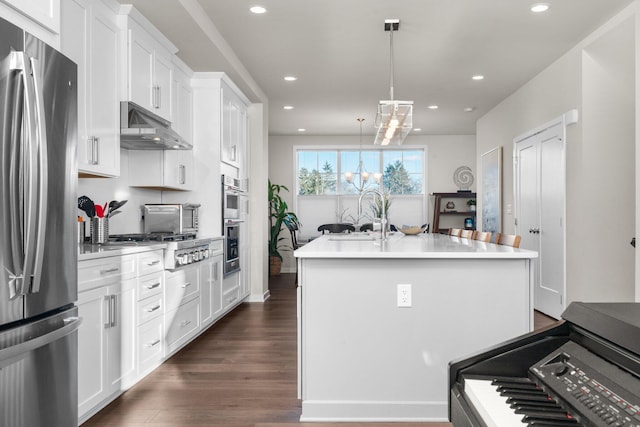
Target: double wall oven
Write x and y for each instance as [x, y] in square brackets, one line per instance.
[234, 199]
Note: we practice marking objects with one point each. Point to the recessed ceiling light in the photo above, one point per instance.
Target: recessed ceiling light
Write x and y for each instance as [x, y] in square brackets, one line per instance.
[469, 109]
[302, 130]
[433, 107]
[257, 9]
[288, 107]
[540, 7]
[417, 129]
[478, 77]
[290, 78]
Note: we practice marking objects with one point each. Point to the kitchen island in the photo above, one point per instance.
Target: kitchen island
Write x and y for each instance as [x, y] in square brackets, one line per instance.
[363, 357]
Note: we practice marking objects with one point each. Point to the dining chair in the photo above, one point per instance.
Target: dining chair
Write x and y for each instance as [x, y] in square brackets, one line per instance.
[508, 240]
[336, 228]
[455, 232]
[367, 227]
[483, 236]
[293, 230]
[466, 234]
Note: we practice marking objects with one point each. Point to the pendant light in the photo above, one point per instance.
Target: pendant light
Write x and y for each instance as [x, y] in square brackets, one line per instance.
[363, 175]
[394, 118]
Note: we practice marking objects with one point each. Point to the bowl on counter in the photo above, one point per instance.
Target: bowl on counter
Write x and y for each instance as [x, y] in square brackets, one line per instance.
[410, 231]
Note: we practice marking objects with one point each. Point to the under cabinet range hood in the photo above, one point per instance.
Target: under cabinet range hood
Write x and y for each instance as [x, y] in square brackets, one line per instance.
[140, 129]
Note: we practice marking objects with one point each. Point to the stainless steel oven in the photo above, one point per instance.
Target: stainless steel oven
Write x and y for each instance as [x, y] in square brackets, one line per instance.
[232, 193]
[231, 247]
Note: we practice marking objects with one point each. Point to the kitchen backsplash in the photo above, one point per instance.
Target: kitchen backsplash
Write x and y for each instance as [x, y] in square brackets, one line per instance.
[102, 190]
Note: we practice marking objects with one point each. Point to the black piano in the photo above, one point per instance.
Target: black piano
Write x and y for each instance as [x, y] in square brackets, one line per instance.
[582, 371]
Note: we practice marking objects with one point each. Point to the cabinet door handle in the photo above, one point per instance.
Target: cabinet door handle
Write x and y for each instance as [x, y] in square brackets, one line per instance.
[234, 152]
[186, 284]
[109, 270]
[96, 150]
[159, 97]
[185, 323]
[183, 174]
[154, 343]
[156, 262]
[107, 302]
[154, 308]
[114, 305]
[155, 285]
[215, 272]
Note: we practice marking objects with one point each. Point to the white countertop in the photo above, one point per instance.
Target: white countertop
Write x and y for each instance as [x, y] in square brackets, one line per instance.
[88, 251]
[397, 245]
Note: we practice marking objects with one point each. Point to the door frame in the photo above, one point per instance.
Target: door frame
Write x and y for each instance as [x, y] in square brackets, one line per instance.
[564, 120]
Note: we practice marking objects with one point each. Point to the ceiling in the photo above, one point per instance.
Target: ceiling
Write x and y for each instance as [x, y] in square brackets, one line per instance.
[340, 53]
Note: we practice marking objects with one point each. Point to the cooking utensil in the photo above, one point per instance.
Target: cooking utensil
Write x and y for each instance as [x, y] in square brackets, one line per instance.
[113, 213]
[87, 205]
[99, 211]
[114, 205]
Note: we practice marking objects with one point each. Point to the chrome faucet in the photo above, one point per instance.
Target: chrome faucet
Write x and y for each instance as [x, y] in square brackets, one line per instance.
[383, 220]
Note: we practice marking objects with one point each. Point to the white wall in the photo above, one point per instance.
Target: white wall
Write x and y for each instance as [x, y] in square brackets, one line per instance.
[597, 78]
[445, 154]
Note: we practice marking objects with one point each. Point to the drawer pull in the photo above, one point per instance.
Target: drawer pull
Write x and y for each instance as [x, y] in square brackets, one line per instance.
[232, 299]
[155, 285]
[153, 344]
[185, 323]
[152, 309]
[186, 284]
[156, 262]
[109, 270]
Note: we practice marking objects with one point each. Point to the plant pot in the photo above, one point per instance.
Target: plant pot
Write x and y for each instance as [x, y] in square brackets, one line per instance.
[275, 266]
[472, 208]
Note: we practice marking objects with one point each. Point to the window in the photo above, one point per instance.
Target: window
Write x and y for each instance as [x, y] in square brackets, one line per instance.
[323, 195]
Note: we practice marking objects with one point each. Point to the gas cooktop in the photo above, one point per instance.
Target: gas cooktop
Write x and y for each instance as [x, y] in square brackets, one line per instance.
[151, 237]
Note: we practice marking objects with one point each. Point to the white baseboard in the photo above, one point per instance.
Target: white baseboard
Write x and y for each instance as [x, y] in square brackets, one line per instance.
[259, 298]
[370, 412]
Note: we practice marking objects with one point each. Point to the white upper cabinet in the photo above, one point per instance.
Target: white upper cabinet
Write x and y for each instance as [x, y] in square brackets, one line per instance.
[90, 37]
[44, 12]
[149, 66]
[162, 170]
[183, 101]
[234, 126]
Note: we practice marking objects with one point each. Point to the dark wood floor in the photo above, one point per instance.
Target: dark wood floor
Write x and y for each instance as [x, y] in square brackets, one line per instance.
[241, 372]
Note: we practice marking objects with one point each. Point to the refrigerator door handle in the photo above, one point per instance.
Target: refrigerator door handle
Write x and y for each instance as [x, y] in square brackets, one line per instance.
[24, 160]
[9, 354]
[42, 172]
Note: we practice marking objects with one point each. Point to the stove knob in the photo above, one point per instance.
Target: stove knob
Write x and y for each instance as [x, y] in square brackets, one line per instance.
[190, 257]
[196, 256]
[185, 259]
[178, 260]
[206, 254]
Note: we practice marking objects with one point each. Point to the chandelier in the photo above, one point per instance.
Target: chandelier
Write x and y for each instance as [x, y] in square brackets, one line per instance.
[394, 118]
[363, 175]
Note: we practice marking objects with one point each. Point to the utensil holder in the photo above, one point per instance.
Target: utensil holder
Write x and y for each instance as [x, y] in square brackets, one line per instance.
[99, 230]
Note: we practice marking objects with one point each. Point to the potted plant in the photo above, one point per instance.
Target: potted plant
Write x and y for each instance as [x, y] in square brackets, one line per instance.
[472, 205]
[376, 207]
[279, 215]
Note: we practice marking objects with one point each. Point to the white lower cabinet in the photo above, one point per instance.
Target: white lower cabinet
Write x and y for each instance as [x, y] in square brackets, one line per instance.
[149, 312]
[106, 343]
[182, 300]
[210, 290]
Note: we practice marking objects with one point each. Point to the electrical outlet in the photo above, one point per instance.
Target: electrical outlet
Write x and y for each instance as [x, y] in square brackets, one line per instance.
[404, 295]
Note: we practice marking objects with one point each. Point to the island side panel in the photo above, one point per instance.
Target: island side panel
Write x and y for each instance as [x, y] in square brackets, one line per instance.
[365, 359]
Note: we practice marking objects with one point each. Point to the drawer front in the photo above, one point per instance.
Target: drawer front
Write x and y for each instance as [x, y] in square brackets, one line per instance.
[230, 282]
[231, 297]
[150, 308]
[152, 284]
[96, 272]
[180, 287]
[182, 324]
[216, 248]
[150, 262]
[150, 345]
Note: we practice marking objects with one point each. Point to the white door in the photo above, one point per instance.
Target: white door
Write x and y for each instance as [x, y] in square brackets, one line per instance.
[540, 201]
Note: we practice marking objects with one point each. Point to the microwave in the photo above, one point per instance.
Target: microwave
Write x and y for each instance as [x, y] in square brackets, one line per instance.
[171, 218]
[232, 197]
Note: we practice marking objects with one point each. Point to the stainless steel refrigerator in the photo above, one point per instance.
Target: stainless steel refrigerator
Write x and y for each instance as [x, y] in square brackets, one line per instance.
[38, 249]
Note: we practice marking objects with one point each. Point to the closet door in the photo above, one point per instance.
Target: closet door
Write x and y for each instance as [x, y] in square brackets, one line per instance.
[540, 201]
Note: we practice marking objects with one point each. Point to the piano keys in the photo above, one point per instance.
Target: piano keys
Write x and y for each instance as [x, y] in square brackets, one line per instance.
[583, 371]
